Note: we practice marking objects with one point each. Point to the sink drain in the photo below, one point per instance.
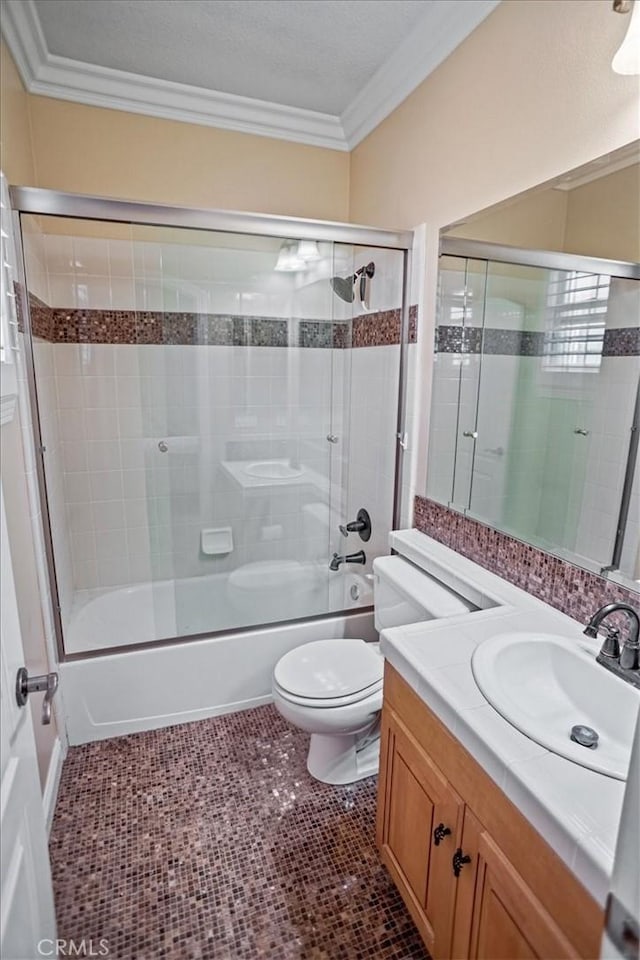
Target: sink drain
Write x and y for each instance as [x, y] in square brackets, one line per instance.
[585, 736]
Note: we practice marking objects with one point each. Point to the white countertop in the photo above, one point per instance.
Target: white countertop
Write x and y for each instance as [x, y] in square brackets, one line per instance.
[577, 811]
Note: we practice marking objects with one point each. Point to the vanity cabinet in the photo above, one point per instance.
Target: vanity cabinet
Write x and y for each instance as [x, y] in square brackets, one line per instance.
[478, 880]
[423, 824]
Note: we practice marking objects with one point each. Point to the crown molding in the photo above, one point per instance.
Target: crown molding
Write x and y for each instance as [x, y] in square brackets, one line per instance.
[602, 167]
[21, 29]
[446, 25]
[49, 75]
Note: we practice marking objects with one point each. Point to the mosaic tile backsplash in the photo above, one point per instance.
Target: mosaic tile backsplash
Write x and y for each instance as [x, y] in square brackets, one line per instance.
[211, 840]
[570, 589]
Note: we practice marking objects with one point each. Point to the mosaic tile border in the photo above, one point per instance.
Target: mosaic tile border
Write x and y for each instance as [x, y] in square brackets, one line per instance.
[568, 588]
[621, 342]
[382, 329]
[618, 342]
[63, 325]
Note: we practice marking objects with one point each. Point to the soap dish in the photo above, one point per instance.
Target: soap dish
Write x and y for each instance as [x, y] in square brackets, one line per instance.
[216, 540]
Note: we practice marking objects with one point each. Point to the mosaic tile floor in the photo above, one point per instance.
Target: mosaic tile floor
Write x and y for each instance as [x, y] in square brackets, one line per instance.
[210, 840]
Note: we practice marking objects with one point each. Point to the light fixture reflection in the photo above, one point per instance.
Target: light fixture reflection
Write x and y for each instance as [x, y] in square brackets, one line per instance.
[627, 59]
[308, 251]
[296, 255]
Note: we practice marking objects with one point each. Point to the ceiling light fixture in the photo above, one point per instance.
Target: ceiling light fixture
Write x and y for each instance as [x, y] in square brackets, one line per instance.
[627, 59]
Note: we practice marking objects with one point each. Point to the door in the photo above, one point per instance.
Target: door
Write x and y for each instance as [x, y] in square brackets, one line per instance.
[507, 922]
[420, 827]
[27, 915]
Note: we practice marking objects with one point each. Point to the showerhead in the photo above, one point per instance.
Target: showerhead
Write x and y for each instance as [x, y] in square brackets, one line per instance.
[345, 287]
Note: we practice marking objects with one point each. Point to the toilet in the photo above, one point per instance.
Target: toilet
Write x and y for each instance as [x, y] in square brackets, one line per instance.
[332, 689]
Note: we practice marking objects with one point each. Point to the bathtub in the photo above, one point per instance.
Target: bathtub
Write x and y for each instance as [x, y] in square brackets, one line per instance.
[175, 682]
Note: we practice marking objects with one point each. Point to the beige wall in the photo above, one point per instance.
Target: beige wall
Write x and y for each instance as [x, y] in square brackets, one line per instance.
[598, 219]
[529, 95]
[592, 229]
[16, 154]
[116, 154]
[536, 221]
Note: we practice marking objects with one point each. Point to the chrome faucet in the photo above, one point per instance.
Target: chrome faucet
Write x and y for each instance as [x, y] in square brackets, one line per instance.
[624, 663]
[359, 557]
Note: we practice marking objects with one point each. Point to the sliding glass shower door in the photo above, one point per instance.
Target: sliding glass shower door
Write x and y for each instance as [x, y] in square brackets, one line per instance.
[201, 427]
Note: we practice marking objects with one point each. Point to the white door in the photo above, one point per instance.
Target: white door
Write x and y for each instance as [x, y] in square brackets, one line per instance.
[26, 907]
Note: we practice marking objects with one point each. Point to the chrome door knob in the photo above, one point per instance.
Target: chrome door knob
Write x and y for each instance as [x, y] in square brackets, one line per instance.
[47, 682]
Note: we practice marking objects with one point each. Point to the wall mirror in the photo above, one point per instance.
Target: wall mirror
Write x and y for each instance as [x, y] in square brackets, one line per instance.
[534, 418]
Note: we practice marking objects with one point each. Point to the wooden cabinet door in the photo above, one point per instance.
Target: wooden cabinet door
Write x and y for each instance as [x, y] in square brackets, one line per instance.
[414, 800]
[497, 917]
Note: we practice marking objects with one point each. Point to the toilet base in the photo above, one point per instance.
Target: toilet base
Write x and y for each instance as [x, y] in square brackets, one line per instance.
[344, 759]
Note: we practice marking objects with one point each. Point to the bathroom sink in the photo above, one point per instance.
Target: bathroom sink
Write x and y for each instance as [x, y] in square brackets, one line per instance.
[272, 470]
[545, 684]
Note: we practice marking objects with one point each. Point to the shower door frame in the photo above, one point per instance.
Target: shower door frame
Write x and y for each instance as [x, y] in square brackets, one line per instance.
[53, 203]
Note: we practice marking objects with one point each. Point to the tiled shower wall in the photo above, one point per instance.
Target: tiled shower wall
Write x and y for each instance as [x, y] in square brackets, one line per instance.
[135, 513]
[247, 385]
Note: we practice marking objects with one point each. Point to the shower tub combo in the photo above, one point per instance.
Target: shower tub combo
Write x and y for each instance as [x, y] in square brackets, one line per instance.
[208, 415]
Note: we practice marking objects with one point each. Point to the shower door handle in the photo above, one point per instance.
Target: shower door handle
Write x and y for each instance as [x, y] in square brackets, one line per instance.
[332, 438]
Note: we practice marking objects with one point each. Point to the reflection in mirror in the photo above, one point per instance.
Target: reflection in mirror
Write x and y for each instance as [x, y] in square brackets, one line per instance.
[534, 411]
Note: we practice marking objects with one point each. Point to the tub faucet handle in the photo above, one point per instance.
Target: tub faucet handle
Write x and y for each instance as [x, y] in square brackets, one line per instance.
[361, 525]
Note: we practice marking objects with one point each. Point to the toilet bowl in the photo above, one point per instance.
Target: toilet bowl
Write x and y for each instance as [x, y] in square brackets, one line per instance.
[332, 689]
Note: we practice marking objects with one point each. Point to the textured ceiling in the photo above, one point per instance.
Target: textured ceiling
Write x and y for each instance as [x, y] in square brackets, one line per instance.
[316, 54]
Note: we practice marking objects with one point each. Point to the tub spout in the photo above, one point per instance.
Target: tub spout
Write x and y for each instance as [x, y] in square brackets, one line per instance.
[359, 557]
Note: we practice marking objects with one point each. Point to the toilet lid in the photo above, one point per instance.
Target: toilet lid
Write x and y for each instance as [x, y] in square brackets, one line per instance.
[329, 669]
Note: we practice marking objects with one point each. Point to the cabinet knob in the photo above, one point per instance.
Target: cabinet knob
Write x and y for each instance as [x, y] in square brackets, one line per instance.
[440, 833]
[458, 861]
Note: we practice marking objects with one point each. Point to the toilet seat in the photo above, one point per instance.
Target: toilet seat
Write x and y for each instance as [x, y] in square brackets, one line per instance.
[326, 703]
[329, 673]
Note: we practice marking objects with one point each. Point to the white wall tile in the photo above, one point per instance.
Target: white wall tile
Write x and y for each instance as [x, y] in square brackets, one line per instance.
[108, 515]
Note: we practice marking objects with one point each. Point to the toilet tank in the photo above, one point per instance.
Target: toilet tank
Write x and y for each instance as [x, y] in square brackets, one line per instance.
[405, 594]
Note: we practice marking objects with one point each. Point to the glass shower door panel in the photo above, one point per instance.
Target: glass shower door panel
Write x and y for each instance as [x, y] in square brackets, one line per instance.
[372, 410]
[467, 344]
[103, 410]
[554, 411]
[445, 391]
[239, 455]
[510, 427]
